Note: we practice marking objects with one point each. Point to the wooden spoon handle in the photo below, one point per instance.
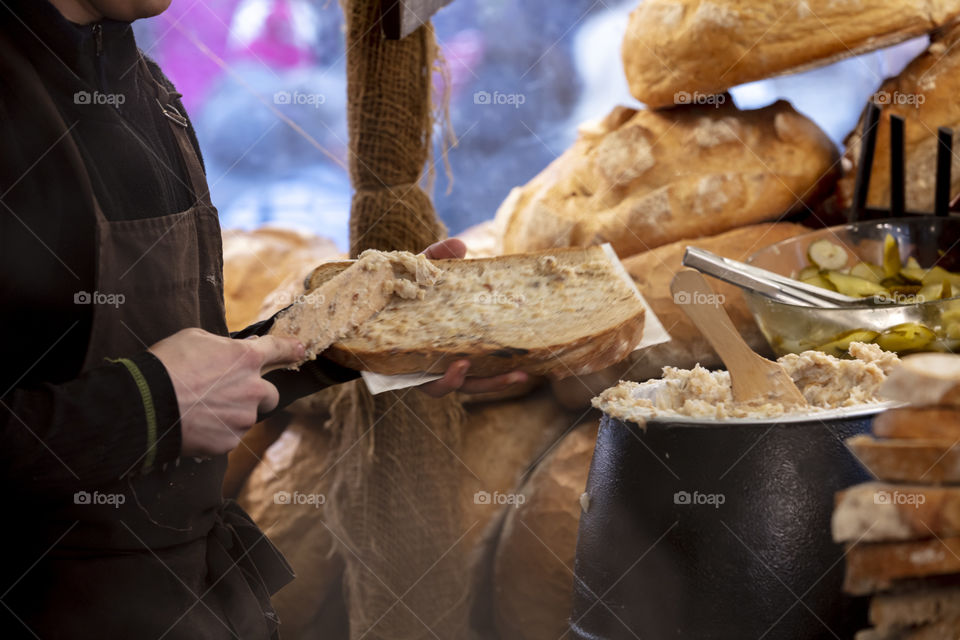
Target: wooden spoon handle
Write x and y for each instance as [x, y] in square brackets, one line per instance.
[705, 309]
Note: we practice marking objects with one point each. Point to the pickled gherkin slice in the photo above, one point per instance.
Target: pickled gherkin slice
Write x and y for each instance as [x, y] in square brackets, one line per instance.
[819, 281]
[914, 275]
[912, 263]
[827, 255]
[854, 286]
[840, 346]
[929, 292]
[867, 271]
[808, 272]
[891, 257]
[903, 338]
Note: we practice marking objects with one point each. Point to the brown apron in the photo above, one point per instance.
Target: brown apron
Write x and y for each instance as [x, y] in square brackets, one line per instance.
[174, 559]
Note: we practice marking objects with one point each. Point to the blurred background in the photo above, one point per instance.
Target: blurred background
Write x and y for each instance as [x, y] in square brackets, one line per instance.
[265, 84]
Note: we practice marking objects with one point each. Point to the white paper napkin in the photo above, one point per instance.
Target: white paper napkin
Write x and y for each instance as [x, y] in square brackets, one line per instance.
[653, 334]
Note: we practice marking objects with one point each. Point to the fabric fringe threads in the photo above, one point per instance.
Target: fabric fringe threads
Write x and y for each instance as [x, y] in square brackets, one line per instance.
[395, 507]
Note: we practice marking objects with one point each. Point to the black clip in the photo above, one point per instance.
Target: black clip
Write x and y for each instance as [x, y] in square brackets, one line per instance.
[172, 114]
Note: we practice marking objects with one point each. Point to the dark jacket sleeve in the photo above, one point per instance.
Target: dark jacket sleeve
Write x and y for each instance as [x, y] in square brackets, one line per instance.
[90, 430]
[313, 375]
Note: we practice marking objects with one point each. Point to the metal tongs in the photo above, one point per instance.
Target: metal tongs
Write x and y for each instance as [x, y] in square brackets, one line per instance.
[766, 283]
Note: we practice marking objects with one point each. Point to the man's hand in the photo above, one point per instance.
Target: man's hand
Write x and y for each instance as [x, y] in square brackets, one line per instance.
[218, 384]
[455, 379]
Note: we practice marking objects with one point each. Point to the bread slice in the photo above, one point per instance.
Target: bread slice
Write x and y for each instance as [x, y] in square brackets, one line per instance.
[878, 566]
[875, 512]
[352, 296]
[925, 379]
[916, 607]
[916, 461]
[935, 424]
[564, 312]
[681, 51]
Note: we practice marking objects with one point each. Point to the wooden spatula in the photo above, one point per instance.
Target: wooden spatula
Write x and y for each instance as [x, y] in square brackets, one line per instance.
[753, 377]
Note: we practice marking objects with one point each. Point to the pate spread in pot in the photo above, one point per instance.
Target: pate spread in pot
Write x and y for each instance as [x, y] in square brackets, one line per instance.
[825, 381]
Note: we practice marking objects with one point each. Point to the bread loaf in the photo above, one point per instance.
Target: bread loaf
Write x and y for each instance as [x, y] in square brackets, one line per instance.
[643, 179]
[878, 512]
[533, 570]
[926, 379]
[678, 51]
[924, 95]
[652, 272]
[565, 312]
[256, 263]
[911, 461]
[501, 442]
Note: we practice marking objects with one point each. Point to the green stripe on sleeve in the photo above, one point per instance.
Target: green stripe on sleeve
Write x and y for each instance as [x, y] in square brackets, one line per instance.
[147, 397]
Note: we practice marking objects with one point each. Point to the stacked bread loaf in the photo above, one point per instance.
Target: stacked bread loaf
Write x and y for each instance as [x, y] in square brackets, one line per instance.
[903, 530]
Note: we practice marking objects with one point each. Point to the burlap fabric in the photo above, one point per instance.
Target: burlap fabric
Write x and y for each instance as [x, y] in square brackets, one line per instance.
[395, 509]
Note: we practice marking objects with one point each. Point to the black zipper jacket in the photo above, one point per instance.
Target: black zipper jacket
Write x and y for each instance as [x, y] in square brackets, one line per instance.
[49, 411]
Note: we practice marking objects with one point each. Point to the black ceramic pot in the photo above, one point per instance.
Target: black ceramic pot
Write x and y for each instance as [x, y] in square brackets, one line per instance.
[715, 530]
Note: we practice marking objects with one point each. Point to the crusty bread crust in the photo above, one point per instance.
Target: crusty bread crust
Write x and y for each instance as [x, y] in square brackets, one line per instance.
[558, 359]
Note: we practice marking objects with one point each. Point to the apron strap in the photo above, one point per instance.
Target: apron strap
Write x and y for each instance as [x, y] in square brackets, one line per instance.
[179, 125]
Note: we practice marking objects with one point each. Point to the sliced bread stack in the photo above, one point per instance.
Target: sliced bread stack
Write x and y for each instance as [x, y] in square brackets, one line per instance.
[903, 531]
